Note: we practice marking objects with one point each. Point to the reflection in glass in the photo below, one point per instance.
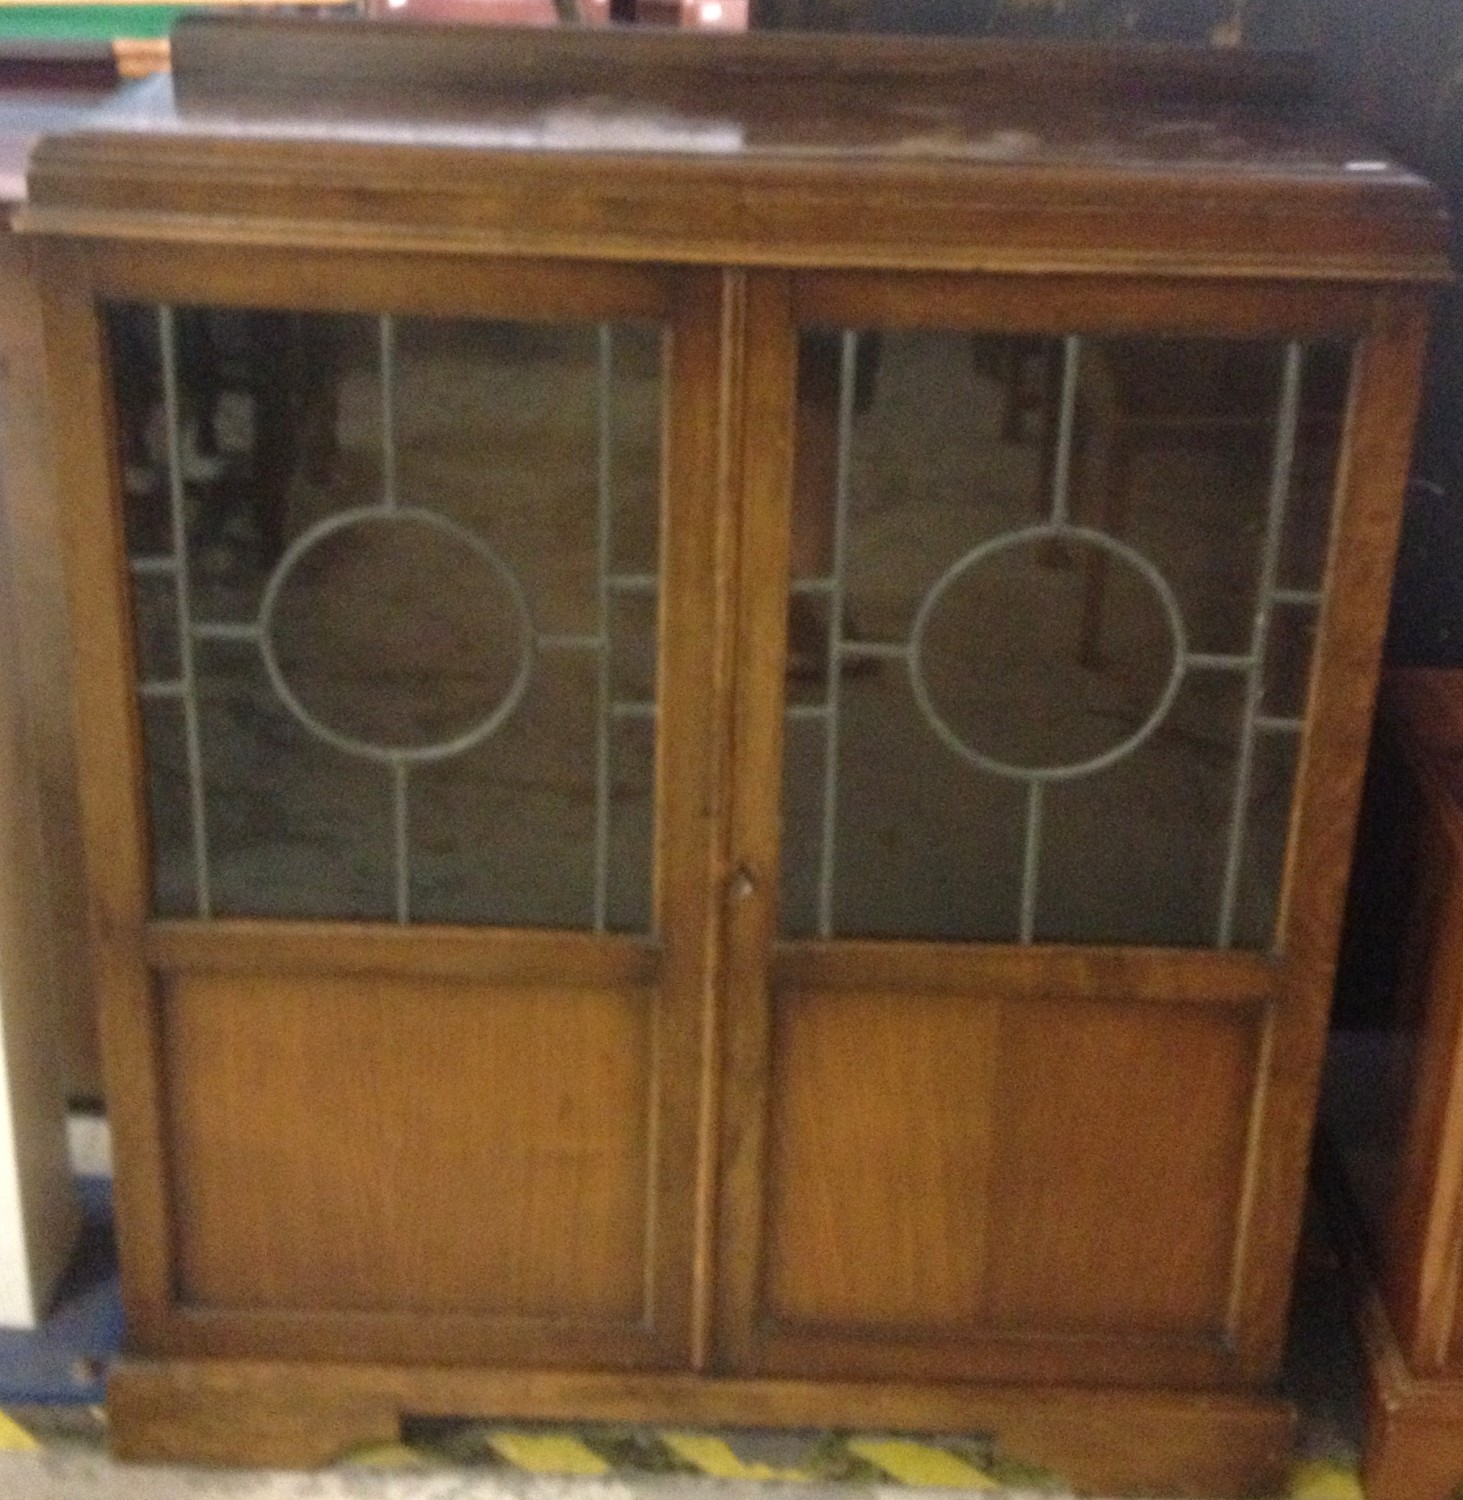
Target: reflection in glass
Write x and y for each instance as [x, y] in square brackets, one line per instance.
[155, 628]
[1136, 854]
[395, 602]
[475, 816]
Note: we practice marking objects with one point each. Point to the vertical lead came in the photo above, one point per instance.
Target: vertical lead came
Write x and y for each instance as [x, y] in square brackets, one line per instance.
[1287, 425]
[177, 502]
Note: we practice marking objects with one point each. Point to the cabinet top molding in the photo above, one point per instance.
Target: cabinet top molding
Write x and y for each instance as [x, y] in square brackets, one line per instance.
[773, 149]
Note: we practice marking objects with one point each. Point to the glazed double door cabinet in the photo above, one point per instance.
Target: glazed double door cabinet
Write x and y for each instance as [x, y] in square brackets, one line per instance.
[722, 691]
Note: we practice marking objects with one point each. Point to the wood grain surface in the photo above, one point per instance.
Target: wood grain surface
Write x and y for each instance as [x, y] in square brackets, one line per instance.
[772, 149]
[712, 1175]
[1152, 1442]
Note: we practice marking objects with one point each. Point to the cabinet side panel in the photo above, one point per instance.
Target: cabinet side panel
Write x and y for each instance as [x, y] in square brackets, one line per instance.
[43, 663]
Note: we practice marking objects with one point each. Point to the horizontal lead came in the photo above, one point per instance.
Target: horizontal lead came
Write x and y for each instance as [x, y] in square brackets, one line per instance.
[225, 630]
[571, 642]
[1199, 661]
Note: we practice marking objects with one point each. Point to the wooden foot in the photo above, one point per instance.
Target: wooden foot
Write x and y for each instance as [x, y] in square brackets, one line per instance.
[297, 1415]
[1413, 1447]
[1414, 1426]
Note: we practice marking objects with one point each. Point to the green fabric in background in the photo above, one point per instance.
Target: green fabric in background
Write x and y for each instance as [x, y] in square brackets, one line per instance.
[88, 22]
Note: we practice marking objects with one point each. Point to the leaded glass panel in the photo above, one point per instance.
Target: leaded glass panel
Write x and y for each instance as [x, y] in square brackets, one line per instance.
[394, 587]
[1051, 631]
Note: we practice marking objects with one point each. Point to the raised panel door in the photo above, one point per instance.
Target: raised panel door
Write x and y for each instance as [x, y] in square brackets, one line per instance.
[414, 871]
[1021, 820]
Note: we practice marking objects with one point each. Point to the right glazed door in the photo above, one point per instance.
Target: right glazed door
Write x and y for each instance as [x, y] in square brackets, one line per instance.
[1015, 821]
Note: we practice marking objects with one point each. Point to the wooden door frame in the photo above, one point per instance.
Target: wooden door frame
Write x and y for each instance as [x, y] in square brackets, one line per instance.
[1283, 995]
[133, 949]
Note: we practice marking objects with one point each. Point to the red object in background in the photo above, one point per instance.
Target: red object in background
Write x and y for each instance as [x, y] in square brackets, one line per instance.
[478, 12]
[700, 15]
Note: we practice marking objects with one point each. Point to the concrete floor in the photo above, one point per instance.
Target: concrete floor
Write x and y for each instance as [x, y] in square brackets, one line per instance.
[90, 1476]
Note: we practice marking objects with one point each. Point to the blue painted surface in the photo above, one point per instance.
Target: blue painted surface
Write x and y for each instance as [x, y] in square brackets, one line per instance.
[65, 1359]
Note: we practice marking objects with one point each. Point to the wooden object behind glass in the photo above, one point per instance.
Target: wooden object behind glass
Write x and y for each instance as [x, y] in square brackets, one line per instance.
[722, 724]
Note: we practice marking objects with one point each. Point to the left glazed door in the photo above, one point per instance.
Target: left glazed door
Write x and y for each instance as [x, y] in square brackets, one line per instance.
[397, 757]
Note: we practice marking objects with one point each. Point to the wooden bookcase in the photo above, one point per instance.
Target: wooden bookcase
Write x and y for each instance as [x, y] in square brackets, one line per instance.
[1390, 1119]
[916, 1025]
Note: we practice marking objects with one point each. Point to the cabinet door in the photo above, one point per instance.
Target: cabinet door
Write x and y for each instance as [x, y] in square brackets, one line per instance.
[1028, 979]
[396, 749]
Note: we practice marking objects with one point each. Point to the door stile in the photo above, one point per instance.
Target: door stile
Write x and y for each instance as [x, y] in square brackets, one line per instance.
[1382, 407]
[702, 394]
[752, 878]
[110, 765]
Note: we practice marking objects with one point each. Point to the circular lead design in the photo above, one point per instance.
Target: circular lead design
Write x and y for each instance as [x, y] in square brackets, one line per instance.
[1033, 536]
[439, 529]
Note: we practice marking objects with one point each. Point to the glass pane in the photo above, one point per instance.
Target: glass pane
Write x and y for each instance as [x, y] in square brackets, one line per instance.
[1136, 854]
[174, 875]
[294, 828]
[896, 868]
[1266, 827]
[1288, 660]
[155, 628]
[632, 824]
[402, 665]
[1050, 637]
[475, 816]
[1307, 528]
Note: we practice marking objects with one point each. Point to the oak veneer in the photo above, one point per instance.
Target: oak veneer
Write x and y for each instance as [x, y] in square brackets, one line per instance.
[40, 640]
[43, 1014]
[1399, 1236]
[724, 1169]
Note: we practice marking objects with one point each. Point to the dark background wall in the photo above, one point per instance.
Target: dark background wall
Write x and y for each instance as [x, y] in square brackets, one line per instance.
[1167, 20]
[1393, 66]
[1396, 68]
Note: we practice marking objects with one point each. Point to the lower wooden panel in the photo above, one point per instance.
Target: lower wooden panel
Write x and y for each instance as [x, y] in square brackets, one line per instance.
[1121, 1160]
[987, 1189]
[880, 1169]
[355, 1146]
[1107, 1442]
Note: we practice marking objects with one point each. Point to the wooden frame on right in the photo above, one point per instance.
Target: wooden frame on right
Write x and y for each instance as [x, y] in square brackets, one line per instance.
[1392, 1104]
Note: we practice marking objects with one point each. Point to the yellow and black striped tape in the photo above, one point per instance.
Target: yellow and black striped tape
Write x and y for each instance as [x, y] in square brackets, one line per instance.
[599, 1451]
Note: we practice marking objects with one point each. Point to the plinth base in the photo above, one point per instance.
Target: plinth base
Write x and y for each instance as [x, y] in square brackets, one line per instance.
[300, 1415]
